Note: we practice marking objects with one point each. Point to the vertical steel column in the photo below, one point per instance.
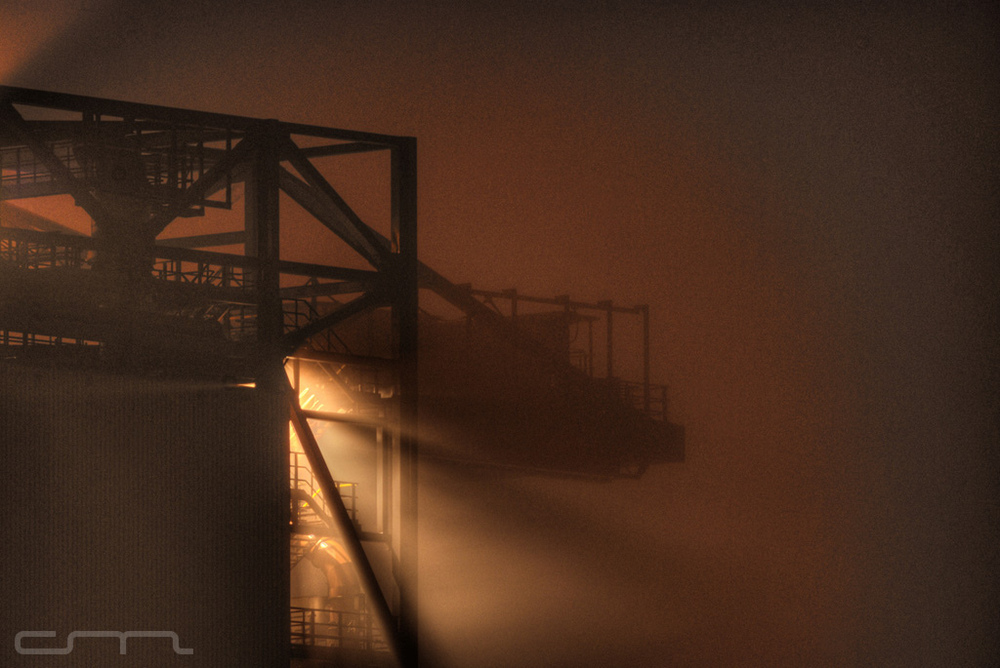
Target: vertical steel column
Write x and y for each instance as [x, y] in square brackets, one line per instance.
[262, 196]
[262, 243]
[405, 311]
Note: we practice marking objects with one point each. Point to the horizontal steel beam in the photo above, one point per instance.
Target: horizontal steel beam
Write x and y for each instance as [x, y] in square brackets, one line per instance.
[137, 111]
[150, 131]
[347, 418]
[345, 358]
[365, 276]
[30, 190]
[204, 240]
[325, 289]
[556, 301]
[62, 239]
[341, 149]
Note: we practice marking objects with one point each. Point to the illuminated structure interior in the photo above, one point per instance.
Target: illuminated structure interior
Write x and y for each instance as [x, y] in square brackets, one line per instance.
[176, 245]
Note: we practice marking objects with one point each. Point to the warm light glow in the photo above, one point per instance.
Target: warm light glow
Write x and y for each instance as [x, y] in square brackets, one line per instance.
[317, 392]
[309, 401]
[336, 550]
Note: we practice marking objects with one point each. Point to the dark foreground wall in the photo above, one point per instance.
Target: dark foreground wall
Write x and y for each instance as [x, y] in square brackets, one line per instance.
[141, 505]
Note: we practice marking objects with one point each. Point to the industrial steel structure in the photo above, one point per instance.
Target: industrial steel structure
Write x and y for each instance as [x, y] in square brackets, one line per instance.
[166, 245]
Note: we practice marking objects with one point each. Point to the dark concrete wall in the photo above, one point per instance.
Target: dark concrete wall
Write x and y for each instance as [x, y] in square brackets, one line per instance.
[132, 504]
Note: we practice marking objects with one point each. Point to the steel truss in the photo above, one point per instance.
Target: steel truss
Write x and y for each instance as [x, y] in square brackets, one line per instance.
[132, 294]
[136, 297]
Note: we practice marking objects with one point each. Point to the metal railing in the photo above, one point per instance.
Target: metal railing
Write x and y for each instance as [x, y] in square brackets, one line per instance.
[302, 478]
[17, 339]
[22, 168]
[633, 394]
[164, 158]
[202, 273]
[40, 252]
[298, 313]
[345, 629]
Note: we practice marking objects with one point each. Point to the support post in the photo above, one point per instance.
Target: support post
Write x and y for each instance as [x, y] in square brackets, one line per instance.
[405, 310]
[261, 224]
[262, 196]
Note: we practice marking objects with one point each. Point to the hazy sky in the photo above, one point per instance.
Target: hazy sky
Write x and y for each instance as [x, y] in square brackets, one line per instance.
[804, 197]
